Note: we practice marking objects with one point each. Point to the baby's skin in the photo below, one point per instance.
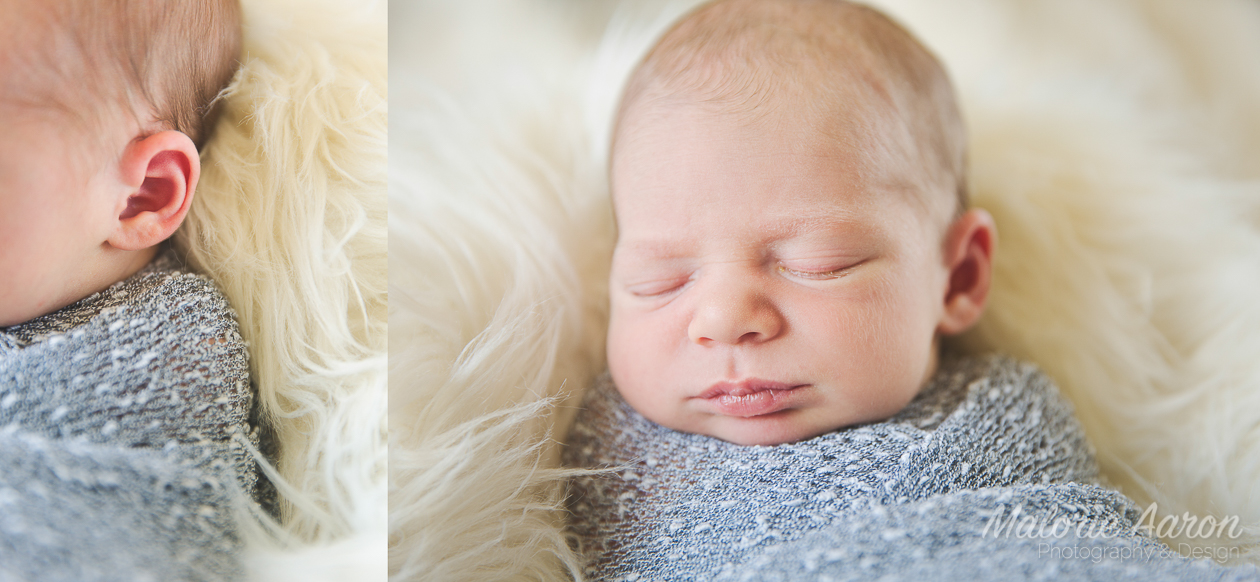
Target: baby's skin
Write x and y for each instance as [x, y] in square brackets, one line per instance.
[128, 412]
[68, 233]
[792, 242]
[100, 121]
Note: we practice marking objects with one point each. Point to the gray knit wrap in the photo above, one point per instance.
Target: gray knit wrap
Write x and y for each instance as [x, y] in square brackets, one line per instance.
[124, 425]
[907, 498]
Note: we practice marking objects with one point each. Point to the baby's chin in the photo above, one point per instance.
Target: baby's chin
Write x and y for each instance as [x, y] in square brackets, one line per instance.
[783, 427]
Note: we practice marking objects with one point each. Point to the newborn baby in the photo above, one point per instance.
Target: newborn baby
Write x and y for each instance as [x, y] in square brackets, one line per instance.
[110, 350]
[794, 240]
[793, 237]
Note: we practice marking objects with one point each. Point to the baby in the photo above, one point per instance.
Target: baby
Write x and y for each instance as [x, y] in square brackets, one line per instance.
[794, 240]
[106, 341]
[794, 235]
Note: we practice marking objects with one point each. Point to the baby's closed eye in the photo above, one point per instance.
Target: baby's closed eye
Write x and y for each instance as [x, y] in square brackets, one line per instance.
[816, 272]
[657, 286]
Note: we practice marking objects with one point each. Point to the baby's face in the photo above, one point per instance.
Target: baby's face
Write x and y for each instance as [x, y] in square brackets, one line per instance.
[770, 283]
[49, 214]
[53, 197]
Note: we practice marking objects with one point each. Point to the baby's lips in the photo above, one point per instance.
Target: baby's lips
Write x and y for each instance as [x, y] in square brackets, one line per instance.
[744, 387]
[749, 398]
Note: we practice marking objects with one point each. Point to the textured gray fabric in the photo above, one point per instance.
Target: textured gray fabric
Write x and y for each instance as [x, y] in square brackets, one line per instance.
[905, 498]
[945, 538]
[79, 510]
[124, 420]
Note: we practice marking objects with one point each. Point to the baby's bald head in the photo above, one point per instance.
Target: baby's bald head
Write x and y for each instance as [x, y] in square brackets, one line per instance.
[843, 65]
[160, 62]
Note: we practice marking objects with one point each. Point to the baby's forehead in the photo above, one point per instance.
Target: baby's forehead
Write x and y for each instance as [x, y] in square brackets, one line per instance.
[851, 124]
[861, 138]
[840, 69]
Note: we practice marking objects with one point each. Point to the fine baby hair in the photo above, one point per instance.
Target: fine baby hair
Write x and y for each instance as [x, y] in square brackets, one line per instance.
[163, 63]
[740, 54]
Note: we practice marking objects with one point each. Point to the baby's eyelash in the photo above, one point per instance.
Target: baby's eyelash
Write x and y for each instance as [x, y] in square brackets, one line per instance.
[660, 290]
[836, 274]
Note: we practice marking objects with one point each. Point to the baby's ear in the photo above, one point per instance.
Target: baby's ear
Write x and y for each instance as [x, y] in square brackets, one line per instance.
[159, 173]
[968, 254]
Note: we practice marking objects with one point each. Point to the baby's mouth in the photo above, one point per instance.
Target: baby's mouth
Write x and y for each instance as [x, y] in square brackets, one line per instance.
[751, 397]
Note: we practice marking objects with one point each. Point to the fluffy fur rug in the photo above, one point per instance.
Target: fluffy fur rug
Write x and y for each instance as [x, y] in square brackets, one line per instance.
[1116, 144]
[289, 219]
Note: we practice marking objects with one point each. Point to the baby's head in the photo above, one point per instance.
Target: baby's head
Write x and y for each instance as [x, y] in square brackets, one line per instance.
[103, 106]
[793, 233]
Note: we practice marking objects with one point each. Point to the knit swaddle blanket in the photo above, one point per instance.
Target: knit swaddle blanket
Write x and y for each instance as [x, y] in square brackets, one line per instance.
[989, 441]
[125, 422]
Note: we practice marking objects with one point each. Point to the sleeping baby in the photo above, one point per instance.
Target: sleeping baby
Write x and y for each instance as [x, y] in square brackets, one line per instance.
[794, 241]
[114, 359]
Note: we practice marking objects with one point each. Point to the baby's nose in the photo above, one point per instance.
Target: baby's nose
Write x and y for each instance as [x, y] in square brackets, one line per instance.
[733, 311]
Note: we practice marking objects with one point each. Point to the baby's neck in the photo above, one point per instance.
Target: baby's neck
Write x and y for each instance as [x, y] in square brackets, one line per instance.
[110, 266]
[139, 260]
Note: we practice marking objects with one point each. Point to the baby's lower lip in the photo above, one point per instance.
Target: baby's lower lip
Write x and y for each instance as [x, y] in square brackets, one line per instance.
[757, 401]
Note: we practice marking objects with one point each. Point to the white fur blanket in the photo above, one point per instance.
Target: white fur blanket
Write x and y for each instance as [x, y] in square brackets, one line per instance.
[289, 220]
[1114, 142]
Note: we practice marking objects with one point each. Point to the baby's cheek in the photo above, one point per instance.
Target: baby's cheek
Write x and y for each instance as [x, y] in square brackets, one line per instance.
[854, 323]
[871, 346]
[644, 363]
[629, 353]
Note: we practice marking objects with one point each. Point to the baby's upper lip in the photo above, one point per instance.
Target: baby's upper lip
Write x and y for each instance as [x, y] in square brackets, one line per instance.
[745, 387]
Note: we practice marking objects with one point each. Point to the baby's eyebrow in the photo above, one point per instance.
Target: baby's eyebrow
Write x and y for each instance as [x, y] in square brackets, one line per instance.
[842, 222]
[826, 226]
[652, 249]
